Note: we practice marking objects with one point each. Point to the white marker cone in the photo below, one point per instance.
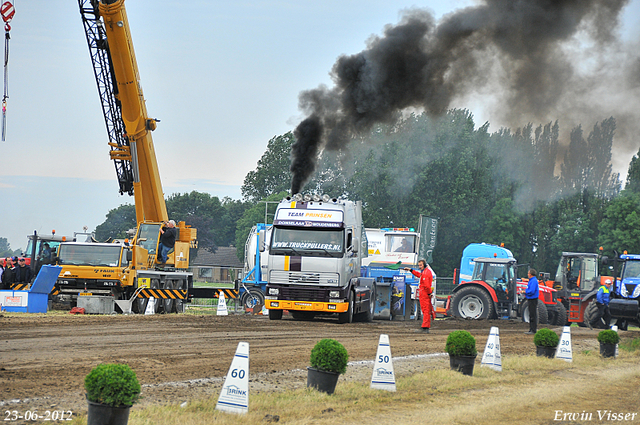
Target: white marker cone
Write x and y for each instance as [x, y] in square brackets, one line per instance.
[234, 396]
[383, 377]
[222, 305]
[151, 306]
[615, 328]
[564, 351]
[491, 357]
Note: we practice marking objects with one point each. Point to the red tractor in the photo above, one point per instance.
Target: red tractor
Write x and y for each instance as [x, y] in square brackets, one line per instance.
[494, 291]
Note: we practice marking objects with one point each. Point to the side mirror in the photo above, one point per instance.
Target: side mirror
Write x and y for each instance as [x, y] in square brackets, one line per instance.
[605, 260]
[129, 255]
[355, 245]
[261, 243]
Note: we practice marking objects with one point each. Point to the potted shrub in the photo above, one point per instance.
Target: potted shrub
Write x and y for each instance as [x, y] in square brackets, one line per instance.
[111, 391]
[328, 360]
[608, 340]
[461, 346]
[546, 342]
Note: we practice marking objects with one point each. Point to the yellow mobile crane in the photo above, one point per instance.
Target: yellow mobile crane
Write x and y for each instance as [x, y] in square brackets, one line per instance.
[120, 269]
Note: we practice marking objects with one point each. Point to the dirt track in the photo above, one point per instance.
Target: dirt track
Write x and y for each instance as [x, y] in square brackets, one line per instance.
[181, 357]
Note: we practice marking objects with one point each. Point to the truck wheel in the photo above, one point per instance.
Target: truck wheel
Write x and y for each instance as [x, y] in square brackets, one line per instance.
[472, 303]
[275, 314]
[178, 304]
[347, 316]
[367, 316]
[142, 303]
[543, 314]
[252, 298]
[168, 303]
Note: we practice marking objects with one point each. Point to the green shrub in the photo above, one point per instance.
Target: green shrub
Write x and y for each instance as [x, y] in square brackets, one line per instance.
[546, 338]
[112, 384]
[461, 343]
[329, 355]
[608, 337]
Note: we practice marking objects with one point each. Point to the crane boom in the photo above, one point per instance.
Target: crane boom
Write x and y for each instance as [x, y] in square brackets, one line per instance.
[126, 92]
[98, 49]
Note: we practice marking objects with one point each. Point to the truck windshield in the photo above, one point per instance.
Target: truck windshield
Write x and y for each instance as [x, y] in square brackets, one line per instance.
[401, 243]
[631, 270]
[495, 274]
[44, 251]
[296, 241]
[89, 255]
[148, 237]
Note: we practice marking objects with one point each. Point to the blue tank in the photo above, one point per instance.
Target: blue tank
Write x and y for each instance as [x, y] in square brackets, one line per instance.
[476, 250]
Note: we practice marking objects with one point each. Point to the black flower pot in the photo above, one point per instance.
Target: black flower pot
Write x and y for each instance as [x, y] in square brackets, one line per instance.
[322, 380]
[545, 351]
[102, 414]
[607, 350]
[462, 364]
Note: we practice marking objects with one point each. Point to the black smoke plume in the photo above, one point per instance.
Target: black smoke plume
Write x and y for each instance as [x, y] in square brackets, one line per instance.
[423, 64]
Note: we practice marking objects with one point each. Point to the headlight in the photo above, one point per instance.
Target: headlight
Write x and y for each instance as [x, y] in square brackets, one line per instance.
[636, 292]
[274, 291]
[623, 289]
[334, 294]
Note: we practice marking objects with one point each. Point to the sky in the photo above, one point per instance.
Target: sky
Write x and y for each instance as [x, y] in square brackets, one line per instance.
[222, 77]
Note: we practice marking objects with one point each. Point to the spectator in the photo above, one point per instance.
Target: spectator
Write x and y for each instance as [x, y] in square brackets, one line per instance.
[8, 276]
[531, 294]
[22, 272]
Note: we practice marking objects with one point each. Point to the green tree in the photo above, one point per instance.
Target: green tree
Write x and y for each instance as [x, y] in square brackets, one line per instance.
[505, 225]
[119, 221]
[253, 215]
[633, 175]
[272, 173]
[203, 212]
[620, 227]
[5, 248]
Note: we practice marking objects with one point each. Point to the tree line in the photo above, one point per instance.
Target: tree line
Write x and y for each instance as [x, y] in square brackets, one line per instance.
[509, 186]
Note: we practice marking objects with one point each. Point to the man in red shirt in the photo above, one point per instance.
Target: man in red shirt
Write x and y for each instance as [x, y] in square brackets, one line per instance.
[424, 290]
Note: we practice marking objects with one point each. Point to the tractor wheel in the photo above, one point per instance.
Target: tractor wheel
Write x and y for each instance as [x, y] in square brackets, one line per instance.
[557, 314]
[543, 314]
[622, 324]
[347, 316]
[562, 317]
[590, 312]
[472, 303]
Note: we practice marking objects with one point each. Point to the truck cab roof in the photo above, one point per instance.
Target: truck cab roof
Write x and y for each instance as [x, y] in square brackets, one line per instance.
[494, 260]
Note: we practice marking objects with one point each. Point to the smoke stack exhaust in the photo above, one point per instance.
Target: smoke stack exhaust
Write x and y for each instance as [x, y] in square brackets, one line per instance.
[424, 65]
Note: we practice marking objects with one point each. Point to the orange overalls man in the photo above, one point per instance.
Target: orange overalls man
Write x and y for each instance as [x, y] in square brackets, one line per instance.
[426, 279]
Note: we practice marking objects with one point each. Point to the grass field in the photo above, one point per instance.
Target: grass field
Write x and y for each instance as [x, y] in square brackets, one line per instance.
[529, 390]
